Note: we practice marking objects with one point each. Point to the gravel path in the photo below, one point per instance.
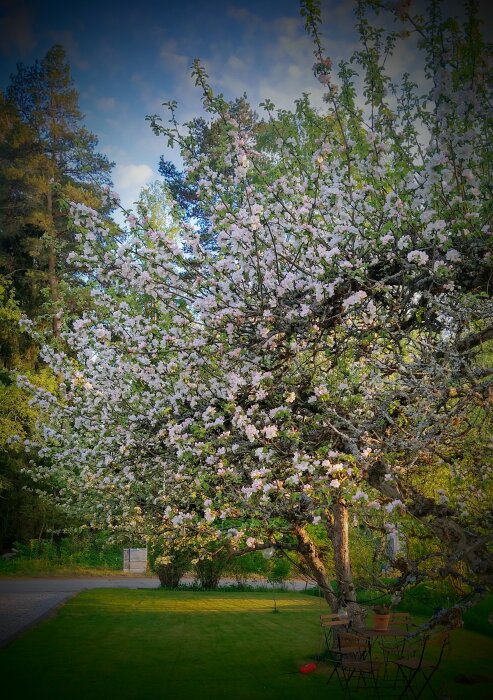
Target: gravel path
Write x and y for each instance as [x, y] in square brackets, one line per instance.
[26, 601]
[18, 611]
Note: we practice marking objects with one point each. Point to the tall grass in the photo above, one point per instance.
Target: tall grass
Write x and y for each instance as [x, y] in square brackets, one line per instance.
[70, 554]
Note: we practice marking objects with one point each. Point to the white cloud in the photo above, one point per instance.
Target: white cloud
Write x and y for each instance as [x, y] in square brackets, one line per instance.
[171, 57]
[129, 180]
[235, 63]
[287, 25]
[106, 104]
[241, 14]
[74, 53]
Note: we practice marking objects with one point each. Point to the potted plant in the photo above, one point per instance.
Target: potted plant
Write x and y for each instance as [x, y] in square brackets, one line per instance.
[381, 617]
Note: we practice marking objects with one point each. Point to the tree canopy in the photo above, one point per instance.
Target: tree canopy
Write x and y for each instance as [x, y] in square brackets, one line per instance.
[47, 159]
[330, 353]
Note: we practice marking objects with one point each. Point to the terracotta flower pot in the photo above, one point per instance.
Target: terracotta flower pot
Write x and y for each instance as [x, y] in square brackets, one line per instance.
[381, 621]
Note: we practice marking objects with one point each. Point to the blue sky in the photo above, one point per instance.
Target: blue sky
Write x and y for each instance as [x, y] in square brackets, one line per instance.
[128, 58]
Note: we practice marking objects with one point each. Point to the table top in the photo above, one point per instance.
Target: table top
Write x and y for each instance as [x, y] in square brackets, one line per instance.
[390, 632]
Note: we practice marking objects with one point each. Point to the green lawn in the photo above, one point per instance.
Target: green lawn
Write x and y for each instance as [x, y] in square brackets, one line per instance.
[144, 644]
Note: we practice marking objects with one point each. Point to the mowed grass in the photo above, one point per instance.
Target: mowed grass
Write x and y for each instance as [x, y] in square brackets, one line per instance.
[179, 645]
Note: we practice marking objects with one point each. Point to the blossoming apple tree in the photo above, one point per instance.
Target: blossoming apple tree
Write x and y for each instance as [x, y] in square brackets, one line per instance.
[329, 351]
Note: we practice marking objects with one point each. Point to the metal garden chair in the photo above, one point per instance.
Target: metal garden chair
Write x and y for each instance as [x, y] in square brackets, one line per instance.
[417, 670]
[330, 624]
[355, 661]
[398, 620]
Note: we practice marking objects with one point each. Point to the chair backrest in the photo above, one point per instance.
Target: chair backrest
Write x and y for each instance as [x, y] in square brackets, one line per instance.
[438, 641]
[330, 625]
[349, 641]
[439, 638]
[400, 619]
[333, 620]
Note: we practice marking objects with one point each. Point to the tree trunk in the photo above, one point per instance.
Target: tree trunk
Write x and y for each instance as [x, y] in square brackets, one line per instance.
[52, 275]
[308, 551]
[338, 530]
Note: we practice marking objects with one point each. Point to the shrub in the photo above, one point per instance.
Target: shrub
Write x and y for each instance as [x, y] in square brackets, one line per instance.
[171, 568]
[209, 571]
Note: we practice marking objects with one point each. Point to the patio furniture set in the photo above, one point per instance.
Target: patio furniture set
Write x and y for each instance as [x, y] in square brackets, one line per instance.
[396, 662]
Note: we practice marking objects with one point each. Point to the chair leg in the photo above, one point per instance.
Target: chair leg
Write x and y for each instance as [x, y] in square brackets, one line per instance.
[344, 681]
[392, 681]
[427, 684]
[334, 669]
[374, 684]
[408, 681]
[363, 682]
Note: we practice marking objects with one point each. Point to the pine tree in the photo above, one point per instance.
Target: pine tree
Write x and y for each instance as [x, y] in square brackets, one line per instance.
[47, 158]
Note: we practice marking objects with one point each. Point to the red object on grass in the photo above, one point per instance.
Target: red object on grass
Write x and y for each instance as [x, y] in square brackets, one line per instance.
[308, 668]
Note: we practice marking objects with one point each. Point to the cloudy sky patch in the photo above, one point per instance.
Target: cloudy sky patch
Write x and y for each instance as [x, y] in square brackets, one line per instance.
[127, 59]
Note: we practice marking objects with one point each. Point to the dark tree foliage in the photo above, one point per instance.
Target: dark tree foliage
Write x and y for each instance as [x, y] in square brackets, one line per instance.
[205, 140]
[47, 159]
